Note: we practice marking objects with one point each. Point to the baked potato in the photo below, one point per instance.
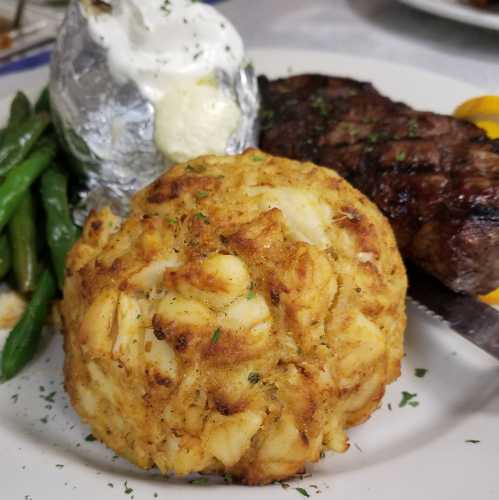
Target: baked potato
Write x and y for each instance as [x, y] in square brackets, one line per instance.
[247, 312]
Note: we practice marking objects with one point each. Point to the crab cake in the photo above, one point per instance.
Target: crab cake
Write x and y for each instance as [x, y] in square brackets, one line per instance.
[247, 312]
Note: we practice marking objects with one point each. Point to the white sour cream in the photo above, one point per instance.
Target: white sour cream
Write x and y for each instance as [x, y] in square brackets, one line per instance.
[171, 50]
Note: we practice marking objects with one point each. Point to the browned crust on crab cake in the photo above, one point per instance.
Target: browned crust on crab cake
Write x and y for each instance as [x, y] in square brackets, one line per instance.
[247, 312]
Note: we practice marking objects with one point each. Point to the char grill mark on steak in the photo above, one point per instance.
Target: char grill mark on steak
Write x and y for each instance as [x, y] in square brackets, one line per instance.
[435, 177]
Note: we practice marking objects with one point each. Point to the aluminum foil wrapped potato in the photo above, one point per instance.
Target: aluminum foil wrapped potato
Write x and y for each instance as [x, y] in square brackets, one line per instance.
[136, 85]
[247, 312]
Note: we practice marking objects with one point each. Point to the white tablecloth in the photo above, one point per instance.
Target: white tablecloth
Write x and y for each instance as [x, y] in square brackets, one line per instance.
[382, 29]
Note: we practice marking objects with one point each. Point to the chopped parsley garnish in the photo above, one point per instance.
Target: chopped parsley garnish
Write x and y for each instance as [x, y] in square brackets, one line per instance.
[60, 466]
[267, 118]
[420, 372]
[90, 438]
[254, 378]
[166, 7]
[128, 490]
[203, 217]
[472, 441]
[401, 156]
[228, 479]
[172, 221]
[111, 485]
[202, 194]
[251, 293]
[408, 399]
[50, 397]
[373, 137]
[413, 128]
[303, 492]
[44, 420]
[15, 398]
[257, 158]
[200, 481]
[320, 104]
[195, 168]
[216, 336]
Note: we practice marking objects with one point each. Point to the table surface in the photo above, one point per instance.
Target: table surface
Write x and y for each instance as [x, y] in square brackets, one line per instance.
[382, 29]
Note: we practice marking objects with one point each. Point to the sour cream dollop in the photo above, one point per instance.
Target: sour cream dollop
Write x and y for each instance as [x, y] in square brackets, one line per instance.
[172, 50]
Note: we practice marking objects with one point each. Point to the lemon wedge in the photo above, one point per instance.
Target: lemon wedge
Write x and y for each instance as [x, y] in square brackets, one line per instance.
[492, 298]
[482, 111]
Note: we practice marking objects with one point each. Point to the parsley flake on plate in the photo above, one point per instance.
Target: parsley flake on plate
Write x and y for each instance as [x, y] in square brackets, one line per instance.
[408, 399]
[128, 490]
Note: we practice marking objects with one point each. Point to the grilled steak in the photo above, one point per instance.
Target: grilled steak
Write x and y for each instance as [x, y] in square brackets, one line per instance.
[435, 177]
[481, 3]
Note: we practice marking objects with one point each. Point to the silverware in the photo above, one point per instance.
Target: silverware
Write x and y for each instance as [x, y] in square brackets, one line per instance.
[466, 315]
[25, 32]
[18, 18]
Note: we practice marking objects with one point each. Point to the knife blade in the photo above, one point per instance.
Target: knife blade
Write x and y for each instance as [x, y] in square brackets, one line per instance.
[466, 315]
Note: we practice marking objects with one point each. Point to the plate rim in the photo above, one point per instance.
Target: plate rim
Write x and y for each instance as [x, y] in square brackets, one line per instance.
[460, 13]
[345, 58]
[256, 53]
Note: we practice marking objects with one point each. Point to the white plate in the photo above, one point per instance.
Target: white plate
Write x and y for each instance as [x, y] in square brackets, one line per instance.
[409, 453]
[459, 10]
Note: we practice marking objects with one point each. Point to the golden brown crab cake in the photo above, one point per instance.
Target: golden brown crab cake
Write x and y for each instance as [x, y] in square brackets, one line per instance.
[247, 312]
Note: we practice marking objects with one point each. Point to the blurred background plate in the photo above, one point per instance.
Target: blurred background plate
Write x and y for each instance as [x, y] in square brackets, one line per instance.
[459, 10]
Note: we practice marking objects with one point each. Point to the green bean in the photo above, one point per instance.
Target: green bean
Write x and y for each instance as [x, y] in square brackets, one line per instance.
[23, 339]
[20, 178]
[20, 111]
[16, 146]
[43, 102]
[61, 232]
[22, 235]
[5, 256]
